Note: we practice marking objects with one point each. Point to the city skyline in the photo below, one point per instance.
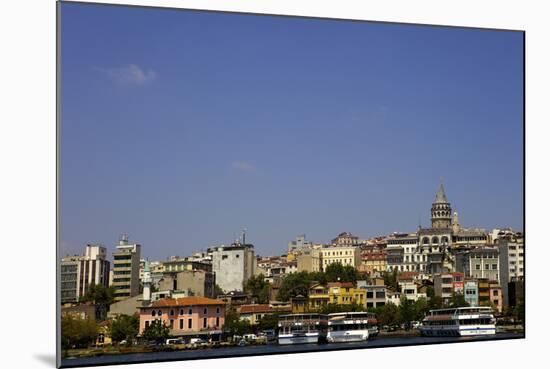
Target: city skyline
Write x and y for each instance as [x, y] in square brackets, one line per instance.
[347, 126]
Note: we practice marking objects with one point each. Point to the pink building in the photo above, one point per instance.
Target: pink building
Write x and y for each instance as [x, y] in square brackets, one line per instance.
[186, 316]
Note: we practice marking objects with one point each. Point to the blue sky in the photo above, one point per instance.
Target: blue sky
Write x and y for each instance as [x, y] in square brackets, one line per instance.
[180, 128]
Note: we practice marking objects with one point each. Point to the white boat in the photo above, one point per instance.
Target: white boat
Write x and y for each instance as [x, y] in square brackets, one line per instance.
[464, 321]
[351, 326]
[302, 328]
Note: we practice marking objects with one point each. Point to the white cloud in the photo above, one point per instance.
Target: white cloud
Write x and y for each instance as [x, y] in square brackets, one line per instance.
[242, 165]
[129, 75]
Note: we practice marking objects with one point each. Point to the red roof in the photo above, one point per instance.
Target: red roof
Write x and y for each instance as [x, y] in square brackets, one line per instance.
[340, 284]
[186, 301]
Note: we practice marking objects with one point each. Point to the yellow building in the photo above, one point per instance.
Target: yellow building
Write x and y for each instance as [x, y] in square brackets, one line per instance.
[345, 255]
[341, 293]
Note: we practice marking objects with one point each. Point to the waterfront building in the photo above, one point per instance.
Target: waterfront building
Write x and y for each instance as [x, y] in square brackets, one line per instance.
[126, 269]
[375, 295]
[80, 272]
[345, 255]
[448, 284]
[233, 265]
[511, 267]
[471, 292]
[341, 293]
[189, 282]
[186, 317]
[309, 260]
[495, 293]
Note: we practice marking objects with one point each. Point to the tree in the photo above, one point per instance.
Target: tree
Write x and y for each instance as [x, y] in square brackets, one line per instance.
[218, 291]
[269, 321]
[234, 325]
[99, 294]
[406, 312]
[391, 279]
[420, 309]
[124, 327]
[77, 332]
[435, 302]
[258, 287]
[388, 314]
[337, 308]
[293, 285]
[458, 300]
[157, 331]
[336, 272]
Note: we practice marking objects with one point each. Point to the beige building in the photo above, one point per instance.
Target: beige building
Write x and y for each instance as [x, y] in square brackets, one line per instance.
[309, 261]
[126, 269]
[189, 282]
[345, 255]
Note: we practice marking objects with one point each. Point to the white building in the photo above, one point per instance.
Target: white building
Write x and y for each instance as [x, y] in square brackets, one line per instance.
[126, 269]
[79, 272]
[233, 265]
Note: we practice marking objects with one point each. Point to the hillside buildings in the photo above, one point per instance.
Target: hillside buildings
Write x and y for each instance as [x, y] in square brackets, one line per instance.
[78, 273]
[233, 265]
[126, 269]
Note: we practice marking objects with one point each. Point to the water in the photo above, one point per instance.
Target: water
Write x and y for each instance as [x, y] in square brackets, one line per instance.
[273, 349]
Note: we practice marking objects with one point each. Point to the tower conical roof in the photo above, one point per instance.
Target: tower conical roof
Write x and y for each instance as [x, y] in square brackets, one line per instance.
[440, 195]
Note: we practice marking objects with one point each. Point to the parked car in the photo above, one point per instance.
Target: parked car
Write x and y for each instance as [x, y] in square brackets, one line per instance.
[174, 341]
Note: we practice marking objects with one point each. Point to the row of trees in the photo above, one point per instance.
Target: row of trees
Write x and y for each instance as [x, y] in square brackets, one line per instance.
[82, 332]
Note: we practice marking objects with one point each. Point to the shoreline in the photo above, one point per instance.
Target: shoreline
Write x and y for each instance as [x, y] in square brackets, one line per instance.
[117, 351]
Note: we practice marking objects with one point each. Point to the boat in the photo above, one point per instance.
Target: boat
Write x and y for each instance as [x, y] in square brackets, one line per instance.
[463, 321]
[351, 327]
[302, 328]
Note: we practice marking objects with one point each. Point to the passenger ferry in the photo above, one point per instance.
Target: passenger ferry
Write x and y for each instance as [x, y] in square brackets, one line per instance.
[302, 328]
[464, 321]
[351, 327]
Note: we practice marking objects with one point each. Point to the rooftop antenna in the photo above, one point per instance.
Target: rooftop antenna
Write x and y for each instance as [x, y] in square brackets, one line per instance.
[244, 236]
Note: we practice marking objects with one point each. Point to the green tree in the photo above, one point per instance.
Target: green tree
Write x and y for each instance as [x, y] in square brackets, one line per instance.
[258, 287]
[388, 314]
[293, 285]
[218, 291]
[435, 302]
[336, 272]
[77, 332]
[124, 327]
[268, 321]
[336, 308]
[407, 312]
[420, 308]
[99, 294]
[157, 331]
[234, 325]
[391, 279]
[458, 300]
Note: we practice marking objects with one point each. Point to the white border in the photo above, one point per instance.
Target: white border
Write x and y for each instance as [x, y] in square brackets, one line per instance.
[27, 185]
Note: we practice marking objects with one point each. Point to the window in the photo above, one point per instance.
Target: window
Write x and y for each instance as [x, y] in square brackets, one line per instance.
[159, 313]
[478, 267]
[205, 311]
[171, 323]
[181, 323]
[217, 310]
[181, 311]
[190, 311]
[204, 322]
[224, 257]
[153, 313]
[217, 321]
[190, 323]
[147, 324]
[237, 256]
[172, 312]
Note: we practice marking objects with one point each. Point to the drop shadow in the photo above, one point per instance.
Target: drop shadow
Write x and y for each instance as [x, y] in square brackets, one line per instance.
[48, 359]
